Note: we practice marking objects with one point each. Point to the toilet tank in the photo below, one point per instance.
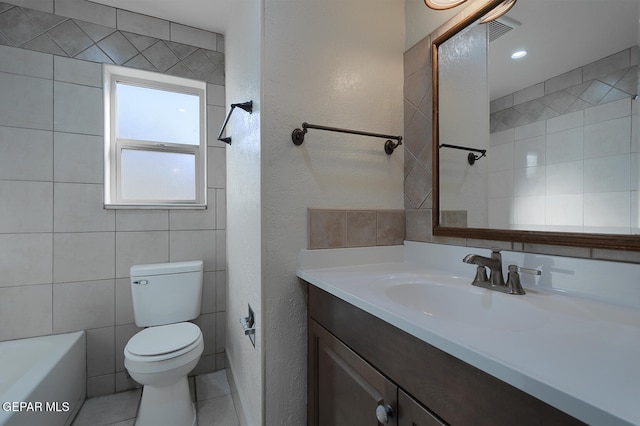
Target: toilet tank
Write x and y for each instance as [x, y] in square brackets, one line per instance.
[166, 293]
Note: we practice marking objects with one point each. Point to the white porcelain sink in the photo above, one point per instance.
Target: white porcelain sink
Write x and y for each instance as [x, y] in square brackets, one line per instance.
[451, 299]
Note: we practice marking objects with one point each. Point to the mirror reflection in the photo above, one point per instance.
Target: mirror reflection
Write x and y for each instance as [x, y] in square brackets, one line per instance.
[558, 123]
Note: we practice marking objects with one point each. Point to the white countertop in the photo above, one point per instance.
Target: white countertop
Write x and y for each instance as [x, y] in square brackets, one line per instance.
[577, 354]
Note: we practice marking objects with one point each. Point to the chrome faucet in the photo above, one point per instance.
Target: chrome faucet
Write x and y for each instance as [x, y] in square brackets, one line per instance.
[496, 279]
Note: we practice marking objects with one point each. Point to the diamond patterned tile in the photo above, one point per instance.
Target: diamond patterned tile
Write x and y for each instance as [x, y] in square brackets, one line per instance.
[180, 50]
[17, 27]
[216, 57]
[613, 95]
[181, 70]
[199, 64]
[510, 117]
[559, 101]
[596, 91]
[94, 54]
[216, 77]
[118, 48]
[5, 6]
[140, 42]
[45, 21]
[94, 31]
[70, 37]
[629, 82]
[578, 89]
[160, 56]
[535, 110]
[5, 41]
[417, 185]
[44, 44]
[612, 78]
[578, 105]
[141, 63]
[415, 131]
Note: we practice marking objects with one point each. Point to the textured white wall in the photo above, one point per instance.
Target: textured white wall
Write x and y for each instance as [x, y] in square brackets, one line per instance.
[336, 63]
[421, 21]
[243, 42]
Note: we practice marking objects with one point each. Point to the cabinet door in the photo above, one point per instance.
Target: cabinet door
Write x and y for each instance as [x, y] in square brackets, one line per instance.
[344, 390]
[410, 413]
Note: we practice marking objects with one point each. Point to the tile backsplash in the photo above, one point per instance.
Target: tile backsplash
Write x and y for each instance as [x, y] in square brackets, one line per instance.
[355, 228]
[64, 259]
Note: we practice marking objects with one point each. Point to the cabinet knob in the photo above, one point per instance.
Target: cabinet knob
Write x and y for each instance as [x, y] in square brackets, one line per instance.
[383, 413]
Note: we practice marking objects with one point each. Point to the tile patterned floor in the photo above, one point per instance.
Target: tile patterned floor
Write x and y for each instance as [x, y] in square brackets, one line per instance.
[210, 391]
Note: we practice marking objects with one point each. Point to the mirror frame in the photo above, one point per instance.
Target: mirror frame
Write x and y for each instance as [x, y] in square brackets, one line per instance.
[466, 17]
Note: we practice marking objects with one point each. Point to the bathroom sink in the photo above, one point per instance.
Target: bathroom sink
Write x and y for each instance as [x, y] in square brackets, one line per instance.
[451, 299]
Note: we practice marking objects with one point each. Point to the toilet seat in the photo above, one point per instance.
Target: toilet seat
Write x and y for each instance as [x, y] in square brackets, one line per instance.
[163, 342]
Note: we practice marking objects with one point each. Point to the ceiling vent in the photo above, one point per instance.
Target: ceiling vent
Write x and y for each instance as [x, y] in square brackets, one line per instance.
[501, 26]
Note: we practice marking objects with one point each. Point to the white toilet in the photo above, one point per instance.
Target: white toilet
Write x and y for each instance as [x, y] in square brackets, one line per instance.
[165, 296]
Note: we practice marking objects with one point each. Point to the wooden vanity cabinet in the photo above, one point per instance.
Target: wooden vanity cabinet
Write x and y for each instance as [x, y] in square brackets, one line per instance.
[357, 362]
[345, 390]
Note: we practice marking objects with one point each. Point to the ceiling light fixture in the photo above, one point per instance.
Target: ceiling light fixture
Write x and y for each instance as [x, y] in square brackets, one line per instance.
[518, 54]
[443, 4]
[498, 11]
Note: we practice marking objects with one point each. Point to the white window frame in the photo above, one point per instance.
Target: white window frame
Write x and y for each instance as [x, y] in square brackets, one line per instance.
[113, 146]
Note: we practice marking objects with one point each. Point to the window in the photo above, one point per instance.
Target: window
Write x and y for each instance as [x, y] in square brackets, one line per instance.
[155, 144]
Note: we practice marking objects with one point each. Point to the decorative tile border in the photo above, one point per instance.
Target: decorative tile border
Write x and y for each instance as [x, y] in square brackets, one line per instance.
[606, 80]
[355, 228]
[58, 35]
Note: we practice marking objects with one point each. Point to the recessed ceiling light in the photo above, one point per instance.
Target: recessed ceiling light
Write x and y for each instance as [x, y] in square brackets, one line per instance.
[519, 54]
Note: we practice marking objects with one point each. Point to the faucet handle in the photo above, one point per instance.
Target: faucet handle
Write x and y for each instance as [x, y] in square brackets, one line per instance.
[525, 270]
[481, 275]
[513, 281]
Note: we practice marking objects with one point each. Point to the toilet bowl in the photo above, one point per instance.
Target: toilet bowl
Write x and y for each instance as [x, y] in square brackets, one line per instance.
[159, 358]
[165, 297]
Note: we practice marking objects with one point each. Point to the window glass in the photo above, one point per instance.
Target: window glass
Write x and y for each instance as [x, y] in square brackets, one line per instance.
[157, 175]
[155, 140]
[157, 115]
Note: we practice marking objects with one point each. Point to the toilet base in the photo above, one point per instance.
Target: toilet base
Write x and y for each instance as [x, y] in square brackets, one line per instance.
[167, 405]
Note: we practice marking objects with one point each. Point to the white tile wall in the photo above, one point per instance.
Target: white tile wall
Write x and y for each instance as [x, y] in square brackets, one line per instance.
[78, 158]
[83, 305]
[26, 102]
[30, 207]
[78, 109]
[28, 310]
[26, 154]
[567, 172]
[64, 259]
[26, 259]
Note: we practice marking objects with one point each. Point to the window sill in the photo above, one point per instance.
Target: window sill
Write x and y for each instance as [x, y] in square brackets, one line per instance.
[175, 206]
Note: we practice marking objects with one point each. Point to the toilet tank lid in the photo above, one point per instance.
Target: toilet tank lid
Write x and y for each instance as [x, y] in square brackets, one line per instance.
[166, 268]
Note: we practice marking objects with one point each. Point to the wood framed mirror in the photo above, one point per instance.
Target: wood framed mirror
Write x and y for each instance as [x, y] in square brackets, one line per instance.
[576, 115]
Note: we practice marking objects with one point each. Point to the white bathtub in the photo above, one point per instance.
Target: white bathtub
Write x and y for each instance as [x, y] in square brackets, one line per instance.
[42, 379]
